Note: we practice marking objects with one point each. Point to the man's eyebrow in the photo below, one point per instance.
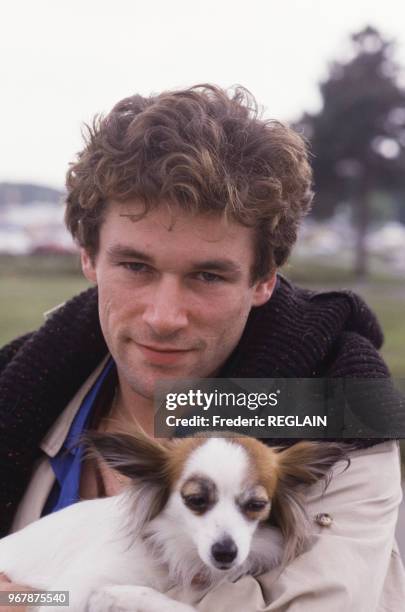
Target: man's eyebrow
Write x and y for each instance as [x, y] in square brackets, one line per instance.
[219, 265]
[119, 251]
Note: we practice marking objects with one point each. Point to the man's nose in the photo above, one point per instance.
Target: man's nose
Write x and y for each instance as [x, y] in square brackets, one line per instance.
[166, 313]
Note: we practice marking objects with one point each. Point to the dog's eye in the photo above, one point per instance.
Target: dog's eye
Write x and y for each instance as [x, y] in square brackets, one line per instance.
[196, 502]
[255, 505]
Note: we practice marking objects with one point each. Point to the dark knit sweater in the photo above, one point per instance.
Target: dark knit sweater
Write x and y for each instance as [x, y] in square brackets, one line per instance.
[298, 333]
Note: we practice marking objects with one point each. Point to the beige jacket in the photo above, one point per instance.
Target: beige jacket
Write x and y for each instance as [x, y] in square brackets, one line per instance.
[353, 565]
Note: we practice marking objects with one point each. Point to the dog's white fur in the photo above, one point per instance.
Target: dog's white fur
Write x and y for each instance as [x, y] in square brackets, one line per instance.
[110, 556]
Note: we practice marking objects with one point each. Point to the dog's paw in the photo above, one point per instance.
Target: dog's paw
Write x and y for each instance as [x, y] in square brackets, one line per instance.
[121, 598]
[105, 600]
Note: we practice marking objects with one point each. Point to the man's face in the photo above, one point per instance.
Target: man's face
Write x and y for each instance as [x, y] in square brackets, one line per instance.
[174, 291]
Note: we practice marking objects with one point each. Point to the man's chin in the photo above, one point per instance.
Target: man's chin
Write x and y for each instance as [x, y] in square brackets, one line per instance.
[146, 384]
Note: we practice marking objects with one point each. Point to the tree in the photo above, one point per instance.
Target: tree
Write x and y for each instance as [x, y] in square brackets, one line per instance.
[358, 137]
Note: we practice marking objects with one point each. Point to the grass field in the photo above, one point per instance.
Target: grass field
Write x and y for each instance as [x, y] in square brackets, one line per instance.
[24, 300]
[30, 286]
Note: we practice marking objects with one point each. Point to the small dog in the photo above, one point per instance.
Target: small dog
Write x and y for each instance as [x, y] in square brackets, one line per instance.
[197, 511]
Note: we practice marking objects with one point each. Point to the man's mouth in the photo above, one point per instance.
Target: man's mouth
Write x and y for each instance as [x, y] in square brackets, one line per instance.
[162, 355]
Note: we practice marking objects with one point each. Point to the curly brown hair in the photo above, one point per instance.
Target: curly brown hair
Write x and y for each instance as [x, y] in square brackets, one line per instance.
[204, 149]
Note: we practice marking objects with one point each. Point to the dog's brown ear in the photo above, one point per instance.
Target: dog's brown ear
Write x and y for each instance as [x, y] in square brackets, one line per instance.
[303, 463]
[143, 460]
[134, 454]
[308, 462]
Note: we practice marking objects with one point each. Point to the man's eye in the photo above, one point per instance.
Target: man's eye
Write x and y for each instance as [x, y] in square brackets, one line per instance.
[135, 266]
[209, 277]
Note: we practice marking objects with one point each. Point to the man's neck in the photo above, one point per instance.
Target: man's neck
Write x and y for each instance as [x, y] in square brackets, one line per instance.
[130, 408]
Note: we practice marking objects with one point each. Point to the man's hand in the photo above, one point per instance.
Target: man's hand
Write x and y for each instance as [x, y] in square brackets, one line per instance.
[7, 585]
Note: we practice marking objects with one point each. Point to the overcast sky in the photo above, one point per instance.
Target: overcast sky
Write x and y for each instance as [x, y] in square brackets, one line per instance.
[61, 61]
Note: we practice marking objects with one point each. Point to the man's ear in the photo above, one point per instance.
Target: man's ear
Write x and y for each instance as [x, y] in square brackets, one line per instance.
[263, 289]
[88, 267]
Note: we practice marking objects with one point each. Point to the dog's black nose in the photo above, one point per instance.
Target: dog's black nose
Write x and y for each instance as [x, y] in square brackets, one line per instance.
[224, 552]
